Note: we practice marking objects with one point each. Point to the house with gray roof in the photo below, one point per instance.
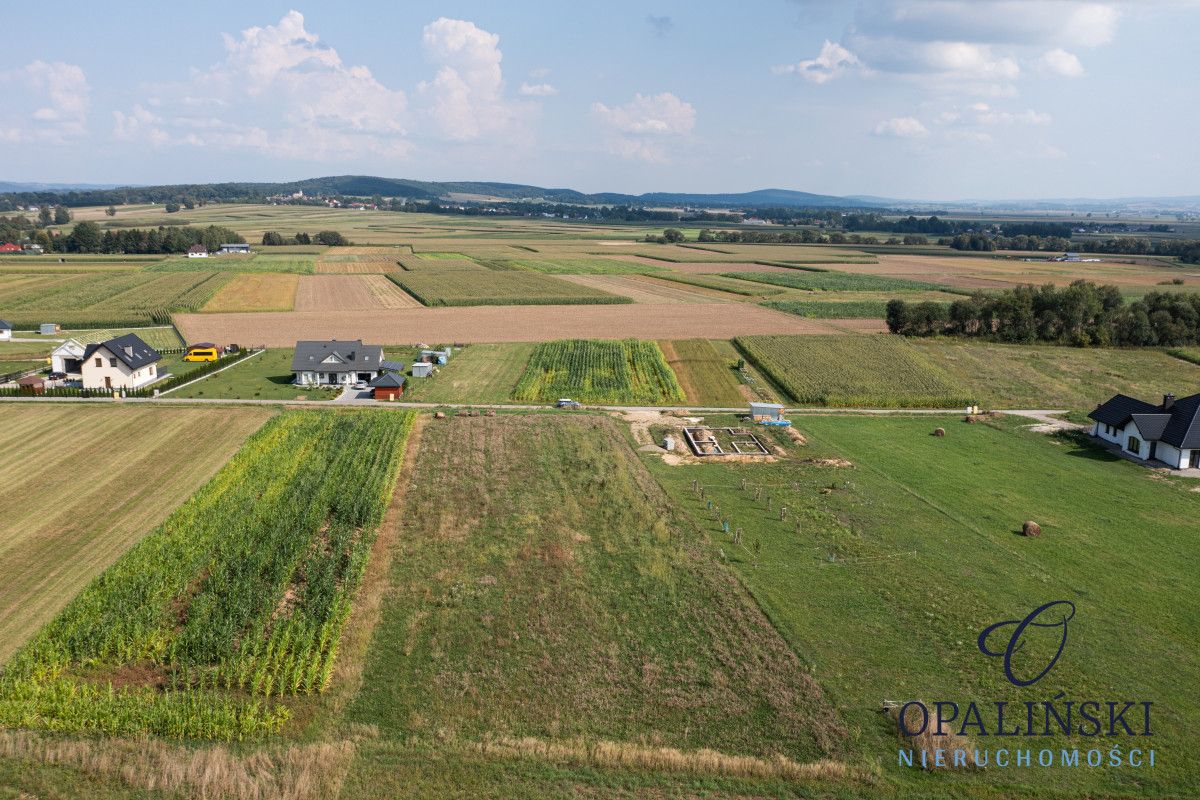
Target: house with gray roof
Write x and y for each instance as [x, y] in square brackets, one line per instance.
[1167, 433]
[5, 330]
[336, 362]
[123, 362]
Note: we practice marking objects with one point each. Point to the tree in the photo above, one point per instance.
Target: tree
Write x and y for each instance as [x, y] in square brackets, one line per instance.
[172, 207]
[44, 216]
[673, 235]
[189, 203]
[331, 239]
[61, 215]
[85, 238]
[303, 238]
[111, 211]
[272, 238]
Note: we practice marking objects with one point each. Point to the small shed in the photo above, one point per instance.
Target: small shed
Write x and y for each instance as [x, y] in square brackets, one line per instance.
[5, 330]
[766, 411]
[387, 386]
[49, 328]
[422, 369]
[230, 247]
[34, 384]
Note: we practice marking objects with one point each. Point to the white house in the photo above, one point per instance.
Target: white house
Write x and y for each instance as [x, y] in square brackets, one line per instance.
[5, 330]
[125, 362]
[1168, 433]
[336, 363]
[68, 359]
[197, 251]
[243, 249]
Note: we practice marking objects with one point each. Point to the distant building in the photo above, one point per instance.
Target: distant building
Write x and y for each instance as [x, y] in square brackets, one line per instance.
[335, 363]
[755, 221]
[125, 362]
[9, 247]
[34, 249]
[197, 251]
[5, 330]
[761, 411]
[243, 249]
[1168, 433]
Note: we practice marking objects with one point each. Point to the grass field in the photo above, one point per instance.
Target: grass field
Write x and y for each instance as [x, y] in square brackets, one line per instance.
[262, 377]
[854, 370]
[908, 555]
[238, 597]
[830, 281]
[707, 377]
[260, 261]
[544, 588]
[70, 510]
[479, 373]
[597, 371]
[832, 309]
[487, 287]
[266, 291]
[583, 266]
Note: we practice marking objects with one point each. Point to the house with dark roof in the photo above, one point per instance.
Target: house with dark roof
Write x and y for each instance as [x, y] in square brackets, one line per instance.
[336, 363]
[387, 386]
[1168, 432]
[124, 362]
[5, 330]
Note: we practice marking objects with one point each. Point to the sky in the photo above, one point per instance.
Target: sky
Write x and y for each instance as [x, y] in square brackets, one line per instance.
[910, 99]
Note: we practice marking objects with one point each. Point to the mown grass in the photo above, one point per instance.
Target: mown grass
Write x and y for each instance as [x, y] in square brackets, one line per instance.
[854, 371]
[267, 376]
[478, 373]
[544, 589]
[884, 573]
[708, 378]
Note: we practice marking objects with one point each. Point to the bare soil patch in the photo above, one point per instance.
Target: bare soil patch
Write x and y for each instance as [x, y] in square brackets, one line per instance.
[645, 291]
[350, 293]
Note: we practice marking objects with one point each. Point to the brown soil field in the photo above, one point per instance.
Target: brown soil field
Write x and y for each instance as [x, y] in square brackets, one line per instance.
[470, 324]
[256, 291]
[644, 291]
[356, 267]
[976, 272]
[350, 293]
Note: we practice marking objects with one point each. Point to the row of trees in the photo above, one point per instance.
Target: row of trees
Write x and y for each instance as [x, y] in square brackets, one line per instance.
[1082, 314]
[326, 238]
[88, 237]
[982, 242]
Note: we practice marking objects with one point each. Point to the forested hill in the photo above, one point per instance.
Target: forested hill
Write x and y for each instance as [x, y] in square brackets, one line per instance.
[370, 186]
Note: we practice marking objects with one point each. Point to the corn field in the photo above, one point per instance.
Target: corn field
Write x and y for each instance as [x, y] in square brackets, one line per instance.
[599, 371]
[240, 596]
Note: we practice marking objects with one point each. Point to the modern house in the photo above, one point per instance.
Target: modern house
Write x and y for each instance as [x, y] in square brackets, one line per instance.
[1168, 433]
[335, 363]
[243, 249]
[67, 358]
[125, 362]
[197, 251]
[5, 330]
[387, 386]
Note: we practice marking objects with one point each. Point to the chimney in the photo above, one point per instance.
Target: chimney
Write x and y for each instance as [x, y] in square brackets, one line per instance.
[1168, 401]
[129, 353]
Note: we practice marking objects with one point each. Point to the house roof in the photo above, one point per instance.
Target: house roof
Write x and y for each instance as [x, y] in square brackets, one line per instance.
[337, 356]
[129, 349]
[5, 324]
[197, 248]
[1177, 425]
[394, 366]
[388, 380]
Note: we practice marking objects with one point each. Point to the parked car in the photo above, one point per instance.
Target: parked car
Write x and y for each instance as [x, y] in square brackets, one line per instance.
[566, 402]
[360, 386]
[202, 352]
[57, 376]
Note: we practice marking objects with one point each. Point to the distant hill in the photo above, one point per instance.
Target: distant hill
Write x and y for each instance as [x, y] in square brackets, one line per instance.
[9, 187]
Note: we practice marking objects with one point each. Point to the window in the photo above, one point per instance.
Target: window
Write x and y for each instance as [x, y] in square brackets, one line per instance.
[99, 361]
[112, 362]
[1134, 445]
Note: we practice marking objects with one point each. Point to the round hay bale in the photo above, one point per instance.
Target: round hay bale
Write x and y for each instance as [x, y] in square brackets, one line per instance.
[939, 431]
[439, 415]
[1031, 528]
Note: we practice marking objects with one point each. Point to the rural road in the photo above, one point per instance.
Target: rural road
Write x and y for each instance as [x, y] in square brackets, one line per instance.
[1041, 415]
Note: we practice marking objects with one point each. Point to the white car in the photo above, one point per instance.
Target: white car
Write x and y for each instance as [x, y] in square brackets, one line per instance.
[361, 385]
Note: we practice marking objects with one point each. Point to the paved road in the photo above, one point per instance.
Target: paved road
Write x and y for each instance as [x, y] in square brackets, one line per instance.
[362, 400]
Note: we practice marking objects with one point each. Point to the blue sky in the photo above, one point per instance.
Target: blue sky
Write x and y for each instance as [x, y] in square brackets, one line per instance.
[923, 99]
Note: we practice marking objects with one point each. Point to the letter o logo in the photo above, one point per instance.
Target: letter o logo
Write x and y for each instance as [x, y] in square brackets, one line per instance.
[1055, 614]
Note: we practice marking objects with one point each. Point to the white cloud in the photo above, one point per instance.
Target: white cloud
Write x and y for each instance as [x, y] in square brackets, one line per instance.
[642, 128]
[537, 90]
[1011, 22]
[466, 97]
[46, 101]
[280, 91]
[832, 62]
[987, 116]
[901, 128]
[1060, 62]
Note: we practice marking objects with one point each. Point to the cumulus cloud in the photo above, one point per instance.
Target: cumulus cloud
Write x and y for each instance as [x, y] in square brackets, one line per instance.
[832, 62]
[466, 97]
[642, 128]
[1061, 62]
[537, 90]
[901, 128]
[46, 101]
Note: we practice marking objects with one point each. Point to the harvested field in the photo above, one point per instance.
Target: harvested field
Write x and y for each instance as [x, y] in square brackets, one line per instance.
[358, 260]
[640, 291]
[128, 468]
[256, 291]
[492, 288]
[350, 293]
[499, 324]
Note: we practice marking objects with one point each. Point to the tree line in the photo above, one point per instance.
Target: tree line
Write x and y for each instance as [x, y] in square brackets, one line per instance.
[1083, 314]
[88, 237]
[327, 238]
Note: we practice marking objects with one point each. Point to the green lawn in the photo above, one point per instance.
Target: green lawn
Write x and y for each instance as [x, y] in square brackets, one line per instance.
[478, 373]
[263, 377]
[883, 575]
[708, 377]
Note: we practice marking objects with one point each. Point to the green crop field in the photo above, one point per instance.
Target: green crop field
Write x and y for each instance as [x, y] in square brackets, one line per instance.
[724, 284]
[274, 261]
[117, 299]
[708, 378]
[883, 574]
[832, 309]
[238, 597]
[831, 281]
[491, 288]
[597, 371]
[584, 266]
[854, 370]
[545, 588]
[55, 541]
